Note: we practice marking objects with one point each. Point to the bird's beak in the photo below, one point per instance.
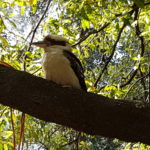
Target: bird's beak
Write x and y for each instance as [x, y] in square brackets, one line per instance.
[41, 44]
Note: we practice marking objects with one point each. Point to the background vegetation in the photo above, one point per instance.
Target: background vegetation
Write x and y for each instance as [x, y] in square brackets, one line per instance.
[112, 40]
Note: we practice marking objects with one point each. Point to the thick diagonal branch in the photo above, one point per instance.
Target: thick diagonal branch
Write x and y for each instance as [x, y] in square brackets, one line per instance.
[87, 112]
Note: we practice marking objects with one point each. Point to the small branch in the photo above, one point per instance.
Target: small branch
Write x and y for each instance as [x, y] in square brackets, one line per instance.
[90, 33]
[39, 22]
[127, 83]
[71, 142]
[2, 112]
[124, 84]
[114, 47]
[13, 129]
[43, 146]
[21, 139]
[103, 27]
[110, 57]
[148, 3]
[135, 83]
[37, 70]
[131, 78]
[144, 85]
[34, 31]
[50, 134]
[138, 32]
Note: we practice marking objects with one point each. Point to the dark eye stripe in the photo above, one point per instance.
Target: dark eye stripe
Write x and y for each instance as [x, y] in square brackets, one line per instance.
[63, 43]
[54, 42]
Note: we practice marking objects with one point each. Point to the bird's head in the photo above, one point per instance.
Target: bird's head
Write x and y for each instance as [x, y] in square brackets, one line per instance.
[53, 41]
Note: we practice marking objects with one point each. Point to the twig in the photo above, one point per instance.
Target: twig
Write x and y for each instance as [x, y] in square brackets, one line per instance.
[50, 134]
[138, 32]
[124, 84]
[135, 83]
[13, 128]
[148, 3]
[128, 82]
[114, 47]
[34, 31]
[143, 84]
[90, 33]
[37, 70]
[103, 27]
[110, 57]
[90, 40]
[43, 146]
[71, 142]
[20, 146]
[3, 111]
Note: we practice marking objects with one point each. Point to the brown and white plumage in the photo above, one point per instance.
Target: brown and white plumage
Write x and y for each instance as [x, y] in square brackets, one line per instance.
[60, 64]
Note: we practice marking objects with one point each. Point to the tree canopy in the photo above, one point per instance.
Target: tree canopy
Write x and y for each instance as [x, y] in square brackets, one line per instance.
[111, 38]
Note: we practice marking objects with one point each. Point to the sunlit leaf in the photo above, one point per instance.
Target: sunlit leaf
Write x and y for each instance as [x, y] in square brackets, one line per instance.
[12, 23]
[32, 2]
[22, 10]
[11, 15]
[5, 147]
[4, 41]
[85, 24]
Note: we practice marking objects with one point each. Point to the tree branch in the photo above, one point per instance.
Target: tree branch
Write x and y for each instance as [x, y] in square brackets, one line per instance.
[148, 3]
[143, 82]
[73, 141]
[87, 112]
[90, 33]
[131, 78]
[110, 57]
[94, 31]
[39, 22]
[135, 83]
[138, 32]
[34, 31]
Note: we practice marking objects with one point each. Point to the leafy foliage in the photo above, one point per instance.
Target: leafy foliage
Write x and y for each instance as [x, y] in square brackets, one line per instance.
[111, 38]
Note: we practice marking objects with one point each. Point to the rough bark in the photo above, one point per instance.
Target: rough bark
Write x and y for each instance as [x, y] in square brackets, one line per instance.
[87, 112]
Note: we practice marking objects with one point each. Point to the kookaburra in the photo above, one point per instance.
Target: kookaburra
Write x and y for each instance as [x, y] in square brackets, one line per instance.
[60, 64]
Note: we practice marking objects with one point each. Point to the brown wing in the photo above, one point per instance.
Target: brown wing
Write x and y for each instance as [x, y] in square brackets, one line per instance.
[77, 68]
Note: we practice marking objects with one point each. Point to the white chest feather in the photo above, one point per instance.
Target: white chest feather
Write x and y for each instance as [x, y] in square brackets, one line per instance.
[57, 68]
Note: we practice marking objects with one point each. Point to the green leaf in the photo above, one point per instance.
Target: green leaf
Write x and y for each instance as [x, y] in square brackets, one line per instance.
[5, 147]
[4, 41]
[22, 10]
[85, 24]
[12, 23]
[32, 2]
[2, 25]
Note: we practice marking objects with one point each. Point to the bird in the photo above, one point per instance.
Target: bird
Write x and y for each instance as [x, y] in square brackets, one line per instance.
[59, 64]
